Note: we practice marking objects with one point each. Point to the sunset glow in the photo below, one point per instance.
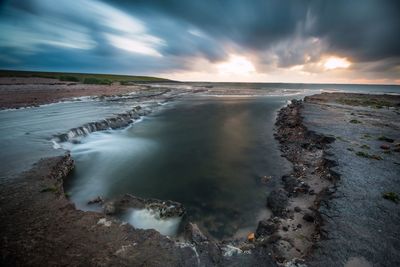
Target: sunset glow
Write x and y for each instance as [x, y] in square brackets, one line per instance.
[260, 42]
[336, 63]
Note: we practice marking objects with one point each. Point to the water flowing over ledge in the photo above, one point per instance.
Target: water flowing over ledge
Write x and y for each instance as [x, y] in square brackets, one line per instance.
[119, 121]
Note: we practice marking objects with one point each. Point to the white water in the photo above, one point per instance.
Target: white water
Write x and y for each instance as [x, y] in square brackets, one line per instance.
[150, 219]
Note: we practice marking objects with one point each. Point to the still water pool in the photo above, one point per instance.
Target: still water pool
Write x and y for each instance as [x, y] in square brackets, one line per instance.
[208, 154]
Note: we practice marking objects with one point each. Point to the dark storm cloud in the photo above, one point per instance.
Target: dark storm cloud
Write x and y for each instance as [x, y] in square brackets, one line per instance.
[254, 24]
[365, 30]
[85, 34]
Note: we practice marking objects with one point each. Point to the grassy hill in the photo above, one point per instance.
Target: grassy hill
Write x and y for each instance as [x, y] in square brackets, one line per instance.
[87, 78]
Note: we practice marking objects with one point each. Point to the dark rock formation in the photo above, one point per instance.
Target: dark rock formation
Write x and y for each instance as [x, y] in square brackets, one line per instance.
[166, 209]
[265, 228]
[277, 201]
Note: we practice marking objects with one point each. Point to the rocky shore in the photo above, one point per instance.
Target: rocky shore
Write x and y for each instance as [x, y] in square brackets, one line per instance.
[54, 221]
[40, 226]
[295, 223]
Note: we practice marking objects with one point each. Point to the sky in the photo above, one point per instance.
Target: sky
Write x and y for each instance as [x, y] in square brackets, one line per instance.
[295, 41]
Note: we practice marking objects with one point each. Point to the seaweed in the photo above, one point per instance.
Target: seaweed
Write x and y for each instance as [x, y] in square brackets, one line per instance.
[368, 156]
[392, 196]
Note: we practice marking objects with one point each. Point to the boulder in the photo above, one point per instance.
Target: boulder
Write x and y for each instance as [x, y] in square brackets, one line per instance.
[385, 146]
[290, 183]
[265, 227]
[277, 202]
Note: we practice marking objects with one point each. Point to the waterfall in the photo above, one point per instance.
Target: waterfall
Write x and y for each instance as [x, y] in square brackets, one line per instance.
[119, 121]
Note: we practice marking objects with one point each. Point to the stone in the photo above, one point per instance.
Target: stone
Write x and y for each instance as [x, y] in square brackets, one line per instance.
[277, 201]
[265, 179]
[265, 227]
[165, 208]
[385, 146]
[290, 182]
[96, 200]
[297, 209]
[194, 234]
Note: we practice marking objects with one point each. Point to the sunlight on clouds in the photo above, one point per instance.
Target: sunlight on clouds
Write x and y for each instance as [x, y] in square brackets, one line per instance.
[130, 34]
[121, 30]
[336, 63]
[236, 65]
[135, 45]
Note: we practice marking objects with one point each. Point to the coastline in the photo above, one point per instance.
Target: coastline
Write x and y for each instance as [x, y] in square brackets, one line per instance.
[40, 216]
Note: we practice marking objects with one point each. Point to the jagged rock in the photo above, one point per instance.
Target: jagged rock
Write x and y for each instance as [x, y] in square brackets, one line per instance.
[120, 121]
[165, 209]
[194, 234]
[265, 227]
[98, 199]
[290, 182]
[277, 201]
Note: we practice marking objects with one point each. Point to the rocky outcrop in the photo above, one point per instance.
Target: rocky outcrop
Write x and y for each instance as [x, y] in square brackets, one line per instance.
[277, 201]
[119, 121]
[164, 208]
[295, 205]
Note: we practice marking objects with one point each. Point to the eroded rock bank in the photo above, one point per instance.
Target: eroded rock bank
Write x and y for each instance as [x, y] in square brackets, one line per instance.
[116, 122]
[294, 226]
[40, 227]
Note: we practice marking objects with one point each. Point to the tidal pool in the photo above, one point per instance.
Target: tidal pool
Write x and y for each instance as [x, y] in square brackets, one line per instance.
[208, 154]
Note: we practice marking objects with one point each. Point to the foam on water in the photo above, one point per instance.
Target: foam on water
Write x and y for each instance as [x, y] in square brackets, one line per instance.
[150, 219]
